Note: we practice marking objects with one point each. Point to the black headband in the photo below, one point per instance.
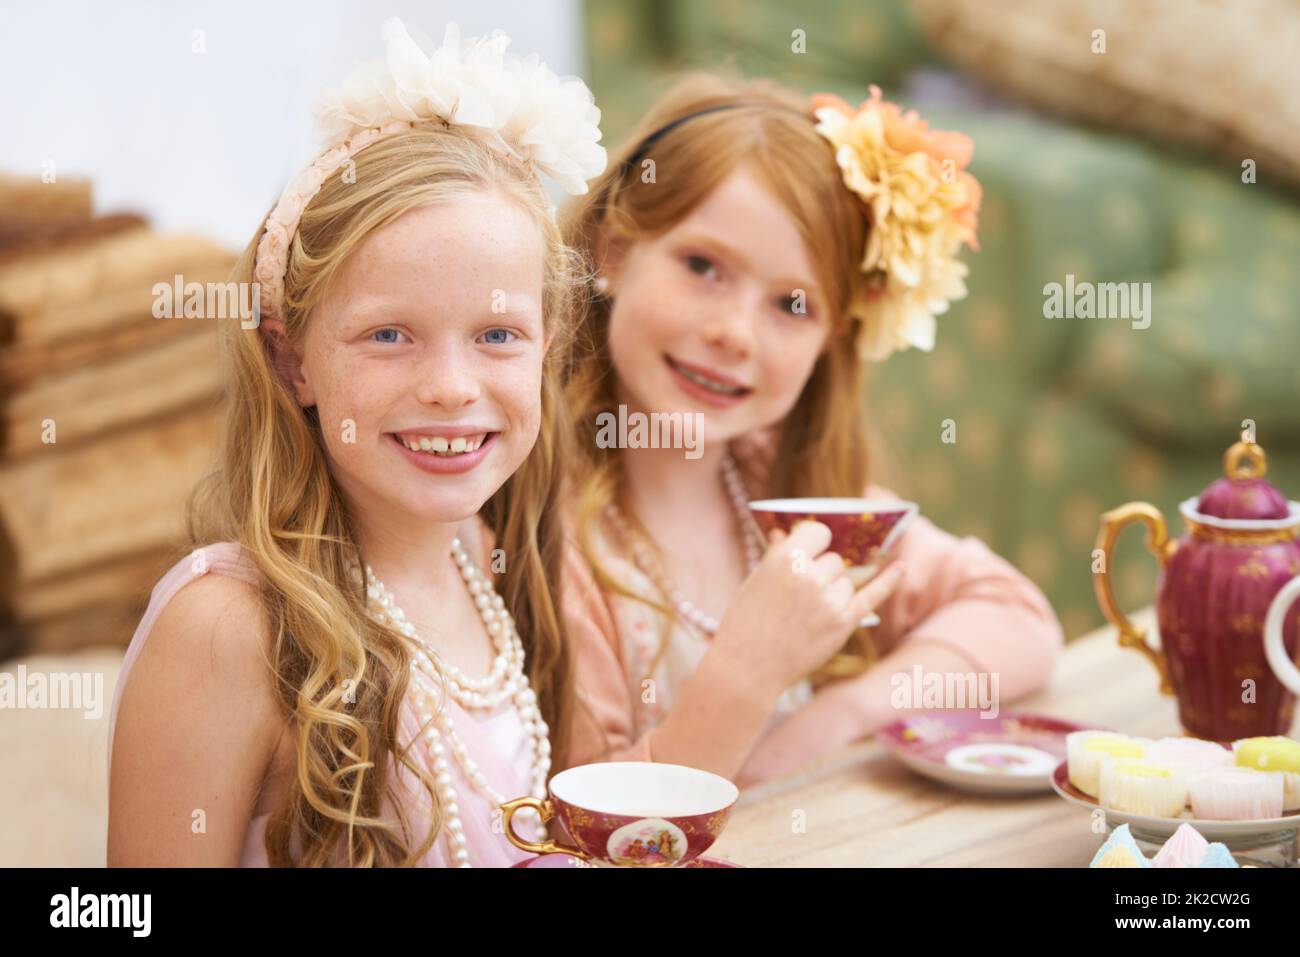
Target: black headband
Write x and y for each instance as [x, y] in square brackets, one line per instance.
[667, 128]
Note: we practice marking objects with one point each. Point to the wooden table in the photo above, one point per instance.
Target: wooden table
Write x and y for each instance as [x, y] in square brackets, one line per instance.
[862, 807]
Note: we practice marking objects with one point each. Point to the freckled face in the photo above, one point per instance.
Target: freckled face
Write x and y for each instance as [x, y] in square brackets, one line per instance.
[429, 342]
[719, 314]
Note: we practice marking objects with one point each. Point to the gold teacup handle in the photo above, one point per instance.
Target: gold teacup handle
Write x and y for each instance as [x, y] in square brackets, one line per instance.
[546, 810]
[1158, 543]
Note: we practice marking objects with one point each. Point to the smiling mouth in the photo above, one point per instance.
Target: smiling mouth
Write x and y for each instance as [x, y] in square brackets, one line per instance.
[442, 446]
[706, 382]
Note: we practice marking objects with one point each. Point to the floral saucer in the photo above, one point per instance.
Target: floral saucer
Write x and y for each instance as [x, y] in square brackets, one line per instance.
[1013, 753]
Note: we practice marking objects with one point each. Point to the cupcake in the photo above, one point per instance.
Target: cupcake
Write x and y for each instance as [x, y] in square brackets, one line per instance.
[1235, 794]
[1139, 786]
[1186, 848]
[1190, 754]
[1086, 750]
[1276, 755]
[1120, 850]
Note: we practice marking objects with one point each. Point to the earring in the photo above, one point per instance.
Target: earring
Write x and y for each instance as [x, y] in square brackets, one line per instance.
[601, 284]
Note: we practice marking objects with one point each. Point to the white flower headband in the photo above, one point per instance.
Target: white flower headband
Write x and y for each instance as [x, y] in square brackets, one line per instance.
[548, 122]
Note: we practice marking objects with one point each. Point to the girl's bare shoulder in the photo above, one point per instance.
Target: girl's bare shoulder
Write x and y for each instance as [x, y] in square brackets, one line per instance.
[197, 729]
[209, 654]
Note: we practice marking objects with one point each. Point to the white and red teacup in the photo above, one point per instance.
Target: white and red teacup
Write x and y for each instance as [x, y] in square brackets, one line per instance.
[630, 813]
[862, 529]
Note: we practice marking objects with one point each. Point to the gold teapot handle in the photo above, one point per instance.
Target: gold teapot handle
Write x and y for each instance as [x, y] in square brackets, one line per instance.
[1158, 543]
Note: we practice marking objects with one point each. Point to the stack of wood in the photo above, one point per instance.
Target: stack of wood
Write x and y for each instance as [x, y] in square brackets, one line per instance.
[108, 415]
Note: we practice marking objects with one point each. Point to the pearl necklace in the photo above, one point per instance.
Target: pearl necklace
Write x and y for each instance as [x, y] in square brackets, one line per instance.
[645, 560]
[506, 681]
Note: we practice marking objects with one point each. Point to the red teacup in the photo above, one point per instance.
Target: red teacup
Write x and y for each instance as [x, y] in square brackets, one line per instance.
[862, 529]
[631, 813]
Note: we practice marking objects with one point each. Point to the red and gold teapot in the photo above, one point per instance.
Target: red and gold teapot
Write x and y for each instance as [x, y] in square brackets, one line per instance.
[1241, 546]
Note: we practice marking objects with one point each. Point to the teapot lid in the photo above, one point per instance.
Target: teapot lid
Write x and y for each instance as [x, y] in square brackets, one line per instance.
[1243, 493]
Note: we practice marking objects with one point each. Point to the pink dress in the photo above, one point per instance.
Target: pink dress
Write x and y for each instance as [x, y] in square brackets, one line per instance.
[497, 742]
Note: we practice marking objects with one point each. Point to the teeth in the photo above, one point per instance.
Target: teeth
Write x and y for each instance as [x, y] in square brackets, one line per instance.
[710, 384]
[440, 445]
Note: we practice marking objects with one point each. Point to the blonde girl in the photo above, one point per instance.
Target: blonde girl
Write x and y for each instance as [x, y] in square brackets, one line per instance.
[755, 254]
[363, 654]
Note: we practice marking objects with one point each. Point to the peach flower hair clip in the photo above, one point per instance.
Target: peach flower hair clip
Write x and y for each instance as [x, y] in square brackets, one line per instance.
[921, 205]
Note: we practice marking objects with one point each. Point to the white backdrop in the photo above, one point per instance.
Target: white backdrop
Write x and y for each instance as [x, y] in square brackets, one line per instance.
[205, 141]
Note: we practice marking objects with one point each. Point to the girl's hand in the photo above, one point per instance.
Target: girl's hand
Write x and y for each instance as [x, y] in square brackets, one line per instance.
[795, 610]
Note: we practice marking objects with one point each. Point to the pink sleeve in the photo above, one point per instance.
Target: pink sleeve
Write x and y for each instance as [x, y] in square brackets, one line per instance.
[603, 727]
[956, 592]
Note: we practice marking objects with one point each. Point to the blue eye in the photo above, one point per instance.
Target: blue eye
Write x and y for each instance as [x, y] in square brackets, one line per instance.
[387, 336]
[494, 336]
